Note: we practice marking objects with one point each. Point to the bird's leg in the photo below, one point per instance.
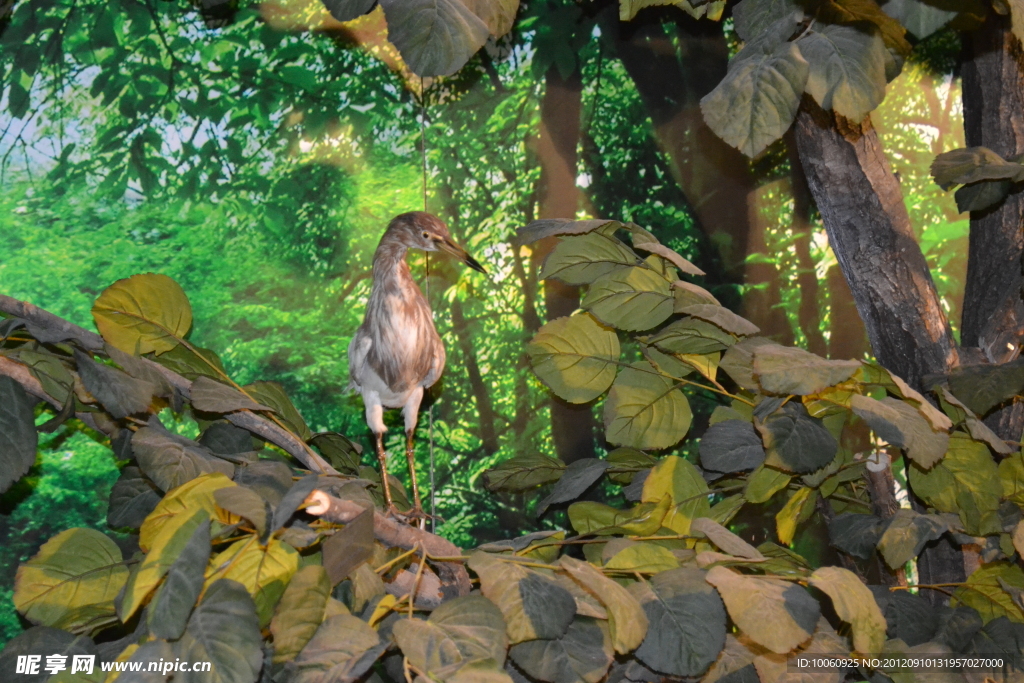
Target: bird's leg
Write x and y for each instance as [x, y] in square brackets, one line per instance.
[410, 455]
[382, 457]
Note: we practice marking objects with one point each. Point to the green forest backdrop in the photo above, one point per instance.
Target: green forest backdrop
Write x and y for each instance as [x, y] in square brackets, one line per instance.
[256, 161]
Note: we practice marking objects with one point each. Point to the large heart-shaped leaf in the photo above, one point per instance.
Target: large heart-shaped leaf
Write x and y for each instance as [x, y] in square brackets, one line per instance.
[776, 614]
[627, 621]
[645, 409]
[575, 357]
[264, 571]
[224, 631]
[171, 460]
[71, 582]
[630, 299]
[343, 649]
[687, 622]
[854, 604]
[435, 37]
[18, 437]
[146, 313]
[847, 68]
[300, 612]
[966, 482]
[757, 101]
[582, 654]
[582, 259]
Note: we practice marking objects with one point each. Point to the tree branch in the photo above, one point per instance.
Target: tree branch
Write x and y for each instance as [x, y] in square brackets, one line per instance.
[454, 577]
[49, 328]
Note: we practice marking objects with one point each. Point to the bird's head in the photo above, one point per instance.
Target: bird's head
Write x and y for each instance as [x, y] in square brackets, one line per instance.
[421, 230]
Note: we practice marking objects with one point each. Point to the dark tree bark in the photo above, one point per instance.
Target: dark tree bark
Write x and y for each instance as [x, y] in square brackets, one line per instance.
[993, 100]
[572, 426]
[862, 207]
[672, 73]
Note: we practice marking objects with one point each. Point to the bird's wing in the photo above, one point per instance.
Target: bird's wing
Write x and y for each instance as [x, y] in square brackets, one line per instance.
[358, 348]
[437, 361]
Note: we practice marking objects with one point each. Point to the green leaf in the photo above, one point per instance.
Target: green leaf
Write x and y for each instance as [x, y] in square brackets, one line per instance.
[738, 362]
[523, 473]
[645, 410]
[763, 483]
[147, 313]
[223, 438]
[166, 545]
[795, 441]
[983, 387]
[906, 535]
[300, 612]
[575, 357]
[272, 394]
[534, 606]
[981, 195]
[688, 294]
[776, 614]
[132, 499]
[626, 462]
[902, 425]
[468, 628]
[347, 10]
[753, 17]
[986, 591]
[856, 534]
[191, 365]
[551, 227]
[577, 478]
[184, 500]
[582, 259]
[18, 437]
[171, 606]
[854, 604]
[966, 482]
[270, 478]
[731, 446]
[121, 394]
[644, 558]
[171, 460]
[727, 541]
[791, 513]
[224, 631]
[757, 101]
[582, 655]
[434, 37]
[678, 480]
[973, 164]
[71, 582]
[350, 547]
[627, 622]
[920, 17]
[790, 370]
[847, 69]
[48, 369]
[589, 517]
[1011, 477]
[244, 502]
[630, 299]
[43, 640]
[722, 318]
[264, 571]
[691, 336]
[343, 453]
[214, 397]
[687, 622]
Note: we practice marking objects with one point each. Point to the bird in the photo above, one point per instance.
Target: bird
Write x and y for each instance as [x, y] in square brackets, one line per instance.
[396, 353]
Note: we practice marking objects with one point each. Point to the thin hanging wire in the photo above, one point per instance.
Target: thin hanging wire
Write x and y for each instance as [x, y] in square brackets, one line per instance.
[426, 286]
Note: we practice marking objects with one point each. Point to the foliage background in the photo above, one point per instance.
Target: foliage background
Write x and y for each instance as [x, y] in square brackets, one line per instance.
[257, 163]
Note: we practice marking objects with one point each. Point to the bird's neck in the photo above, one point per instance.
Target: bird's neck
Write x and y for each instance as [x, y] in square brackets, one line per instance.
[390, 270]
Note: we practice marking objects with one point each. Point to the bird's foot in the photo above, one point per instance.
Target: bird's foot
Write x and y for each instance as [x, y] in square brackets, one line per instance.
[414, 516]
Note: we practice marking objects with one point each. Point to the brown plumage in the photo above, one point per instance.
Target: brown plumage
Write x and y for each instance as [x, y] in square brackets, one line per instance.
[396, 353]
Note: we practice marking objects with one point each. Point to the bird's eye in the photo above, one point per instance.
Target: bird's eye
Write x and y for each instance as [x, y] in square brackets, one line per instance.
[426, 235]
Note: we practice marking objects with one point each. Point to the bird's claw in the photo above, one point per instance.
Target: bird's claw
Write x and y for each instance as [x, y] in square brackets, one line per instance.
[415, 516]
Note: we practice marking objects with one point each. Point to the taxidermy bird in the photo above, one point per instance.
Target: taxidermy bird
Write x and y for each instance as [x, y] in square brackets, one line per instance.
[396, 353]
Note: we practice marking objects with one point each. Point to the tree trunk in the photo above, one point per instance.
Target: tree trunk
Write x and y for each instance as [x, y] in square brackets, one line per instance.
[993, 101]
[868, 226]
[714, 177]
[572, 426]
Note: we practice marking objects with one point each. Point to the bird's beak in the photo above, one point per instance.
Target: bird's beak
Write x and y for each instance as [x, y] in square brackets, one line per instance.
[461, 254]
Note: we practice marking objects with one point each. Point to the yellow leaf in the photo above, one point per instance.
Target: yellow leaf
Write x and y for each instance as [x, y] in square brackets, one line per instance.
[788, 517]
[145, 313]
[190, 496]
[264, 571]
[382, 609]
